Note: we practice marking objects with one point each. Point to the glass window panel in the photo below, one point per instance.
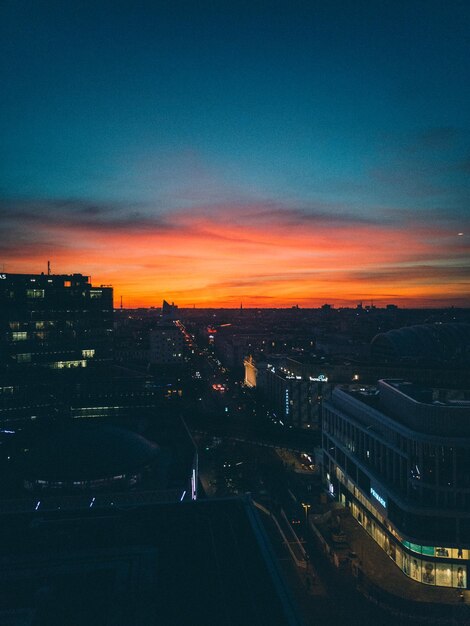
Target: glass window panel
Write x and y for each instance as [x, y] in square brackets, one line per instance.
[415, 571]
[459, 553]
[443, 575]
[443, 552]
[428, 573]
[460, 576]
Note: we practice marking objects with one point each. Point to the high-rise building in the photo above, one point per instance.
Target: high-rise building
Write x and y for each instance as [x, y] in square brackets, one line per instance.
[294, 400]
[49, 324]
[54, 321]
[398, 456]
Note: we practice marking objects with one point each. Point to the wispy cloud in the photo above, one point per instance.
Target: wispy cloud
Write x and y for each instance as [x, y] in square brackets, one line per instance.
[259, 252]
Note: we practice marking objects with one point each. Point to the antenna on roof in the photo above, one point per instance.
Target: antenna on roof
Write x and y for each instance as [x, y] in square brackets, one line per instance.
[121, 303]
[48, 268]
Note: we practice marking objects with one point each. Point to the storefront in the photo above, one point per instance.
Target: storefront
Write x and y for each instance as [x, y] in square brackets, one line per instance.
[431, 565]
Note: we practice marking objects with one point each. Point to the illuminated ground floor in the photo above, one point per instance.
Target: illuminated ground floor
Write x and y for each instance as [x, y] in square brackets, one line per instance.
[444, 566]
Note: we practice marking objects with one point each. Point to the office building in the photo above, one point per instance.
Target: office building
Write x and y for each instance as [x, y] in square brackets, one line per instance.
[54, 321]
[398, 455]
[293, 399]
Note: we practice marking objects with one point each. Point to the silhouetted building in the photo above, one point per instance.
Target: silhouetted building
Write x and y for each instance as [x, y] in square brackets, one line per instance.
[198, 563]
[169, 311]
[54, 321]
[90, 456]
[447, 343]
[52, 327]
[166, 345]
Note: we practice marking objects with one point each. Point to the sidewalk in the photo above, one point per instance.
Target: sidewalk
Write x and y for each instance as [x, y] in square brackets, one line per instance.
[383, 571]
[380, 570]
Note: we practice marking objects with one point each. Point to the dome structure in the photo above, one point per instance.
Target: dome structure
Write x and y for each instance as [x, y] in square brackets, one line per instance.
[89, 456]
[432, 343]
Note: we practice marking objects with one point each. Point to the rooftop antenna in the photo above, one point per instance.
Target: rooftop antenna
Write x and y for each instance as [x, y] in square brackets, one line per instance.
[121, 303]
[48, 268]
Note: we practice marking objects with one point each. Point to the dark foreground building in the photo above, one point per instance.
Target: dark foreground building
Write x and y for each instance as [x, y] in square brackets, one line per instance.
[55, 331]
[91, 457]
[398, 456]
[54, 321]
[194, 563]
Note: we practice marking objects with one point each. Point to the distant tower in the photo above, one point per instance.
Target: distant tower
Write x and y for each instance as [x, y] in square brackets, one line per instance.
[169, 311]
[48, 268]
[121, 303]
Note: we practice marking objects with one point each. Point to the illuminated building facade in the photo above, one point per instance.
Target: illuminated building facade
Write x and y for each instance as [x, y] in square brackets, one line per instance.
[251, 372]
[54, 321]
[398, 456]
[293, 399]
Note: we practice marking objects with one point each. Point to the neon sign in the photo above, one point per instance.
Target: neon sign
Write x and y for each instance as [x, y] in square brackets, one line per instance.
[321, 378]
[378, 497]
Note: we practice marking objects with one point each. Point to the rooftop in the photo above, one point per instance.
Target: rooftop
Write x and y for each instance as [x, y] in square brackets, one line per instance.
[189, 563]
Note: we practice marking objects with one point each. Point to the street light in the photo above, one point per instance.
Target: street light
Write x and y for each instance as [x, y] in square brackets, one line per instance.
[306, 508]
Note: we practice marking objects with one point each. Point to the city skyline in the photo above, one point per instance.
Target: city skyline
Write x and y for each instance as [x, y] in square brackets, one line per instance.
[296, 153]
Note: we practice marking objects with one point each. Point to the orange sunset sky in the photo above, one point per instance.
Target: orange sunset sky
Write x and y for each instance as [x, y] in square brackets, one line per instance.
[258, 255]
[270, 154]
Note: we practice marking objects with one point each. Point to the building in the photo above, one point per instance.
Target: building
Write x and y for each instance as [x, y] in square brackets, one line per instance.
[166, 345]
[54, 321]
[398, 455]
[439, 344]
[91, 456]
[52, 328]
[251, 372]
[169, 311]
[294, 400]
[198, 563]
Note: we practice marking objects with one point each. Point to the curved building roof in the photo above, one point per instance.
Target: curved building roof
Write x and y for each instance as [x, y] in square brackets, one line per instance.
[88, 452]
[431, 342]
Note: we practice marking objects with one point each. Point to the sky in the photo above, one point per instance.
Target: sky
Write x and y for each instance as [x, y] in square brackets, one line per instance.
[216, 153]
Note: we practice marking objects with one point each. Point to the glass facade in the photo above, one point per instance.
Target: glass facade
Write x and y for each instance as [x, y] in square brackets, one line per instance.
[399, 485]
[429, 572]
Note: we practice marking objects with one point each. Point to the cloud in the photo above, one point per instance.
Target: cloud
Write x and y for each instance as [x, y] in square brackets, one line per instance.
[425, 166]
[435, 138]
[261, 251]
[56, 214]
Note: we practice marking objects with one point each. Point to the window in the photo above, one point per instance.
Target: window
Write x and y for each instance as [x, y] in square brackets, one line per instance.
[35, 293]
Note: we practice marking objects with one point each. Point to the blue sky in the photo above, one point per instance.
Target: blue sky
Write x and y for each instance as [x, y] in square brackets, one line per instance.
[155, 108]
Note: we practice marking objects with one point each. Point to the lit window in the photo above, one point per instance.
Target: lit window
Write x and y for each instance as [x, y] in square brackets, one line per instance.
[19, 336]
[35, 293]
